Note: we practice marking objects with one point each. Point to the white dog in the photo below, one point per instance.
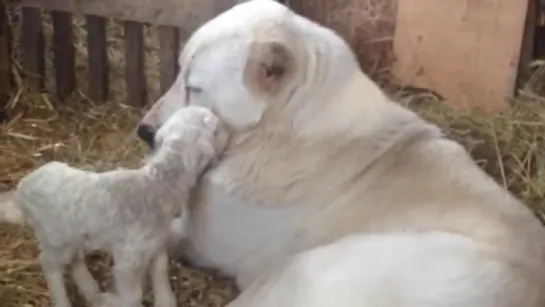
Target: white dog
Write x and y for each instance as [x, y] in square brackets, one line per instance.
[329, 193]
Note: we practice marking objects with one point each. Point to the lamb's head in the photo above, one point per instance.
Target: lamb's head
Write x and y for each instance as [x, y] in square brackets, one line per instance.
[260, 64]
[191, 139]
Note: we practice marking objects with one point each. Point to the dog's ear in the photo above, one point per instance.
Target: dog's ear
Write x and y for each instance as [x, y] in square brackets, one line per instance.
[270, 65]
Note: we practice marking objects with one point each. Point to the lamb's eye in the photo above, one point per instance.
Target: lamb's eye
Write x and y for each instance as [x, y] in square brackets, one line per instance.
[190, 92]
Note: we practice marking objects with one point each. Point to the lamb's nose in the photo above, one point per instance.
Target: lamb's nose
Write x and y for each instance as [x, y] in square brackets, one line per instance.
[147, 134]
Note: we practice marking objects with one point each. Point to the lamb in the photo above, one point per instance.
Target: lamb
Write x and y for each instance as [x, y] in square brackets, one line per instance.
[126, 212]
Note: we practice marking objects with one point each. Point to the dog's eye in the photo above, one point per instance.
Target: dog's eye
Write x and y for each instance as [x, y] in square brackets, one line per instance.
[193, 89]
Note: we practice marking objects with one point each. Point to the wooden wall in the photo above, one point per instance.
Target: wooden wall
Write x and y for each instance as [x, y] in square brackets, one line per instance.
[470, 52]
[466, 51]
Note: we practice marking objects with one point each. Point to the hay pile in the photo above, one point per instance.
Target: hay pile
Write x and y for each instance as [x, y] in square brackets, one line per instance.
[510, 147]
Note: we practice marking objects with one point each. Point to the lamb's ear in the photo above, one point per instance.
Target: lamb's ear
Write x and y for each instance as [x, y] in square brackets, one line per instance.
[269, 66]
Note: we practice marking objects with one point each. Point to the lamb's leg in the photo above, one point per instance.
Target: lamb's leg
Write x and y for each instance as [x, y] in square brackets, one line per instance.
[162, 292]
[85, 282]
[53, 267]
[128, 276]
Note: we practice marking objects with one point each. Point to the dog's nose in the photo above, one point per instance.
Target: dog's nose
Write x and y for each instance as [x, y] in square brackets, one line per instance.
[147, 134]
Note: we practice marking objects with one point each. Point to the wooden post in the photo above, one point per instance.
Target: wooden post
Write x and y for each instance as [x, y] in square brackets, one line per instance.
[169, 48]
[137, 92]
[32, 45]
[65, 60]
[98, 74]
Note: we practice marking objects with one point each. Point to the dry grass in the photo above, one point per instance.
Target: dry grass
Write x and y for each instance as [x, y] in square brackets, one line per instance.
[511, 147]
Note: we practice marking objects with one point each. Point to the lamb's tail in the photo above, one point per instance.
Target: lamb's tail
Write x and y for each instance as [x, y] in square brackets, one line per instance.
[9, 211]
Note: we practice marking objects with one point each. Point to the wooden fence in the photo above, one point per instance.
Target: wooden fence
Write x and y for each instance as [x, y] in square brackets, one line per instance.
[169, 15]
[375, 40]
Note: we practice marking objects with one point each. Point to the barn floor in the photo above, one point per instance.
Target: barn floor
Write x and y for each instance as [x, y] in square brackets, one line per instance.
[510, 147]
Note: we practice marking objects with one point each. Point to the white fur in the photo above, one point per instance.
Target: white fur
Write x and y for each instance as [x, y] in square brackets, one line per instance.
[125, 212]
[9, 211]
[331, 157]
[330, 194]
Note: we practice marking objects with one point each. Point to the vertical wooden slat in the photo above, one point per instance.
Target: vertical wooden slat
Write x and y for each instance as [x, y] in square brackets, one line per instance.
[33, 47]
[134, 64]
[169, 46]
[63, 45]
[5, 61]
[98, 74]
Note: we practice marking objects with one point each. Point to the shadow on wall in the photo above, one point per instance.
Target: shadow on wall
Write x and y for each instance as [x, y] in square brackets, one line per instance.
[540, 32]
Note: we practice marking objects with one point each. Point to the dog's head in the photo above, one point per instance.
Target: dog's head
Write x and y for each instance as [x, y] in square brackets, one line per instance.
[259, 62]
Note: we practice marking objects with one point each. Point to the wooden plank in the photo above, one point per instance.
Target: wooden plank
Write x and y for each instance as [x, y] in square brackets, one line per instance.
[32, 45]
[135, 77]
[367, 25]
[169, 48]
[5, 61]
[467, 51]
[187, 14]
[98, 75]
[64, 53]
